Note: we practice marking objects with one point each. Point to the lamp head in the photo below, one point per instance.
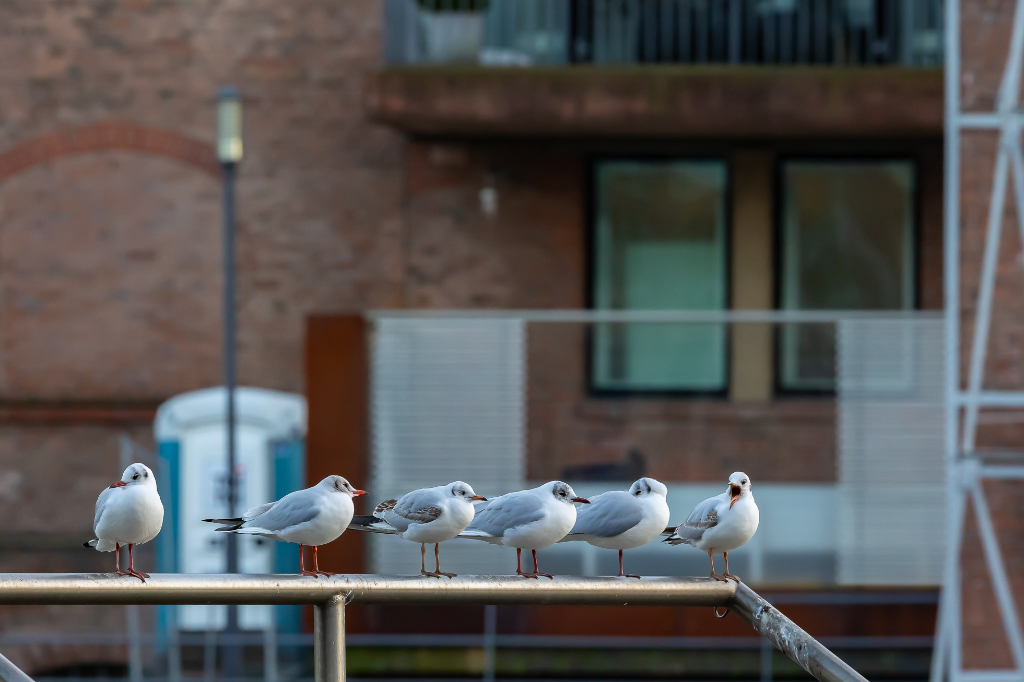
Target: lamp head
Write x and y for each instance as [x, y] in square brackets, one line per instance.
[229, 125]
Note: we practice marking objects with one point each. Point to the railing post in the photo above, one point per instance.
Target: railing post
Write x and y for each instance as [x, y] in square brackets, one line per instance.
[329, 640]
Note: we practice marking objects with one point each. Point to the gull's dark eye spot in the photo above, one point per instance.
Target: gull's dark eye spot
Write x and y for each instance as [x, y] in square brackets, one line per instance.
[135, 477]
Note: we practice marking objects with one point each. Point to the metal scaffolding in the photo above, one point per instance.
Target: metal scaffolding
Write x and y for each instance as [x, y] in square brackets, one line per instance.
[966, 468]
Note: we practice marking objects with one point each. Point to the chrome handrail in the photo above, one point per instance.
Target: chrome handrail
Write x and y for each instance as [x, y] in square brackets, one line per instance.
[330, 595]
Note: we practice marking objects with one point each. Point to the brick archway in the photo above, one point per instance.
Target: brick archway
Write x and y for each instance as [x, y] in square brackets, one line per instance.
[111, 135]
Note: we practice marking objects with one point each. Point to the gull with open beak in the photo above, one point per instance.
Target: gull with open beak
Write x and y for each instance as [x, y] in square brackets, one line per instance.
[426, 516]
[528, 519]
[314, 517]
[128, 512]
[721, 523]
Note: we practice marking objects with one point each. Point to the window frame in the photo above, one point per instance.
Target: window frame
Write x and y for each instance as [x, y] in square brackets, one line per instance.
[590, 244]
[780, 390]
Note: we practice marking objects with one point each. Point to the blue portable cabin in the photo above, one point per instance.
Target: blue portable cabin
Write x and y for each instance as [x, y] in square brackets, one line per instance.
[191, 436]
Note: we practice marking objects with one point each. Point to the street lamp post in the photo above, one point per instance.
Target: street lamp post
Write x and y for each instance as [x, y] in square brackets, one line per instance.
[229, 153]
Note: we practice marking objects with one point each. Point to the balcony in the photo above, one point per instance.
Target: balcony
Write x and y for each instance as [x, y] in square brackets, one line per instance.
[661, 68]
[841, 33]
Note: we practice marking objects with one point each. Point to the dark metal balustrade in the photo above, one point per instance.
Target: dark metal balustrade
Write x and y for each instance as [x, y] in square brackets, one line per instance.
[905, 33]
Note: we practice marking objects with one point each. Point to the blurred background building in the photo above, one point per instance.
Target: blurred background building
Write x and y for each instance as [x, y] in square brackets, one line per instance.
[437, 202]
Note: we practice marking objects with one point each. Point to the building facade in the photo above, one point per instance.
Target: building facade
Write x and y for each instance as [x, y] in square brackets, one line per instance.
[485, 155]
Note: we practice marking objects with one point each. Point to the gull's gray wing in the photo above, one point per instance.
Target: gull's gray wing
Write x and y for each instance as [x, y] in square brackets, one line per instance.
[703, 516]
[419, 506]
[101, 506]
[608, 514]
[494, 518]
[257, 510]
[291, 510]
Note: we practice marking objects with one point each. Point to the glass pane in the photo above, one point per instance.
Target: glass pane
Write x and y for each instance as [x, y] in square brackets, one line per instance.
[847, 245]
[660, 245]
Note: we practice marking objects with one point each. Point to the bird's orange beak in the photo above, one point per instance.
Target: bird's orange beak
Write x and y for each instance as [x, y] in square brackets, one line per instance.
[357, 493]
[581, 499]
[734, 494]
[479, 497]
[119, 484]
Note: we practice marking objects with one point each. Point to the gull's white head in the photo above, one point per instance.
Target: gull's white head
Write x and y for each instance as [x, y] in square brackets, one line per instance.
[337, 484]
[739, 484]
[645, 487]
[463, 491]
[136, 474]
[563, 492]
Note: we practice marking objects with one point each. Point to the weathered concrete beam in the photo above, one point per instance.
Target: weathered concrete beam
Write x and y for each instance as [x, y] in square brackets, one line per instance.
[658, 101]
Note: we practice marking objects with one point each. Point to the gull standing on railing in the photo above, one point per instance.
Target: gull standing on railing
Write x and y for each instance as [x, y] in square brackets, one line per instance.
[529, 519]
[721, 523]
[623, 520]
[427, 515]
[314, 516]
[128, 512]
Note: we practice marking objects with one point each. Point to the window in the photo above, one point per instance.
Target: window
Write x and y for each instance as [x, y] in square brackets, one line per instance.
[659, 244]
[847, 244]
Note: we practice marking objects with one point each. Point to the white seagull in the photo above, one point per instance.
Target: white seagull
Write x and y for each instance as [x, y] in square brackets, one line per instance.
[427, 515]
[623, 520]
[314, 516]
[128, 512]
[721, 523]
[529, 519]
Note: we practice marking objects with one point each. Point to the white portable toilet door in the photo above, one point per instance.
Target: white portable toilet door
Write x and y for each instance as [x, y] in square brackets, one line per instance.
[204, 496]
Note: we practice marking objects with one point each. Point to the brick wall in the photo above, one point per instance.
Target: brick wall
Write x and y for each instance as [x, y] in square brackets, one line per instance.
[110, 234]
[533, 253]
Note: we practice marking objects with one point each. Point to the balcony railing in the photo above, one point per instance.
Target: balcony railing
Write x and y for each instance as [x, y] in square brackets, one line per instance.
[906, 33]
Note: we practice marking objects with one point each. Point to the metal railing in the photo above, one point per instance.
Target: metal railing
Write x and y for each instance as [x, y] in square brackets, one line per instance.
[329, 597]
[904, 33]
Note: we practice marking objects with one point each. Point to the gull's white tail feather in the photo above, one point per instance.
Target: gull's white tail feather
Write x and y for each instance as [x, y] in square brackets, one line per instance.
[474, 534]
[101, 545]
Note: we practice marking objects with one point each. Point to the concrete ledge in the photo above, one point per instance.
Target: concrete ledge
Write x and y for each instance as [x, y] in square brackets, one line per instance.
[657, 101]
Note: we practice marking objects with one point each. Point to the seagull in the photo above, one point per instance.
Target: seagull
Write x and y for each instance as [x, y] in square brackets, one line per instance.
[314, 516]
[427, 515]
[721, 523]
[128, 512]
[529, 519]
[623, 520]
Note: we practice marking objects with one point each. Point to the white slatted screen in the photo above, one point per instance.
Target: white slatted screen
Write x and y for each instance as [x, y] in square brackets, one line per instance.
[448, 403]
[891, 378]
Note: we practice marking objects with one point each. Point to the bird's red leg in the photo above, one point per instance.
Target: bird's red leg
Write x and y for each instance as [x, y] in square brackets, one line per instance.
[131, 566]
[624, 575]
[437, 561]
[536, 569]
[302, 564]
[316, 568]
[117, 560]
[519, 564]
[727, 574]
[712, 560]
[423, 563]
